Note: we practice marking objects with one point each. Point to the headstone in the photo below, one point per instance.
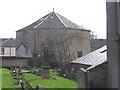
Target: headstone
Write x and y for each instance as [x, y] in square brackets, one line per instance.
[45, 65]
[39, 87]
[22, 84]
[20, 70]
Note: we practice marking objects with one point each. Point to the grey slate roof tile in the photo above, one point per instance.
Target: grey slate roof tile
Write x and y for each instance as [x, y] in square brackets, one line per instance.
[31, 26]
[8, 43]
[66, 22]
[94, 58]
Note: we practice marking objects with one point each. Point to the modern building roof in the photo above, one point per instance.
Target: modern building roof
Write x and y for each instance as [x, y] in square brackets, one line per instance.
[94, 58]
[54, 17]
[8, 43]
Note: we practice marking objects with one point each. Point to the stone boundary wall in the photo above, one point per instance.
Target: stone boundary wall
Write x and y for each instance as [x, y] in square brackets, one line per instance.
[14, 61]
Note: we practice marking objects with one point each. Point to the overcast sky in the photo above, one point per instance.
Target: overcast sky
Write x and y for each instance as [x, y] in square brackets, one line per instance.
[16, 14]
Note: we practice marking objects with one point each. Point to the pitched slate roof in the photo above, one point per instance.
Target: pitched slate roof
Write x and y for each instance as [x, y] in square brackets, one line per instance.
[3, 39]
[65, 22]
[94, 58]
[31, 26]
[68, 23]
[8, 43]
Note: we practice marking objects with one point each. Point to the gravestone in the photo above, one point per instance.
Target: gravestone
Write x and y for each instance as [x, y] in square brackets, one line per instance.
[45, 64]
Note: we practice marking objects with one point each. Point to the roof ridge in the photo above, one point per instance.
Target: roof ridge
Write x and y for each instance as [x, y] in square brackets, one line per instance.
[30, 25]
[11, 43]
[42, 20]
[66, 22]
[61, 20]
[70, 22]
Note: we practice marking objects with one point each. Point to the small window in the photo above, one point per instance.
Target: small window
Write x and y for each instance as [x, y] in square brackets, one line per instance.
[2, 51]
[79, 54]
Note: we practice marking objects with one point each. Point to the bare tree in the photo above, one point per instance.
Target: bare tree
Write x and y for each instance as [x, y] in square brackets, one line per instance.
[63, 40]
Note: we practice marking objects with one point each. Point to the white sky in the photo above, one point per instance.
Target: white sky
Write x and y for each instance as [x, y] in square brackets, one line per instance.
[16, 14]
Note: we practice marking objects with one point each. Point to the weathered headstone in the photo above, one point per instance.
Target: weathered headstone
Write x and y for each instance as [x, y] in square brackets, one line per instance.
[22, 84]
[39, 87]
[20, 70]
[45, 65]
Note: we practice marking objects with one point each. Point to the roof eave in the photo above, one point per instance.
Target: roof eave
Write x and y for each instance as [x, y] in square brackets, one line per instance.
[78, 29]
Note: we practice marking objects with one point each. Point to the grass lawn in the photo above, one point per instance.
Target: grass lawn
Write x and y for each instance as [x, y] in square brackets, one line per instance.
[6, 79]
[58, 82]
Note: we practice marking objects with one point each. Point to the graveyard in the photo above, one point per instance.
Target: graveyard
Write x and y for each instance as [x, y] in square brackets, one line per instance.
[7, 80]
[31, 79]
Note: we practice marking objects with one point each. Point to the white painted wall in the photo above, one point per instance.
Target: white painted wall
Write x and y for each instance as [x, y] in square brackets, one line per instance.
[0, 51]
[13, 51]
[8, 51]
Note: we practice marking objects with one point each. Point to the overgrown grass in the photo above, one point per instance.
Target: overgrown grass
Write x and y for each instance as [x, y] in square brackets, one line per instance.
[6, 79]
[0, 78]
[57, 82]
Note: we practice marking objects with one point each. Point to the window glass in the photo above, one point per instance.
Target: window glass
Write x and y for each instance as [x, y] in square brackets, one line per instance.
[79, 54]
[2, 51]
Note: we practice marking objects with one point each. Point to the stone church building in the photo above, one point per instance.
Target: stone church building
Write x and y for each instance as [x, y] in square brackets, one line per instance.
[65, 39]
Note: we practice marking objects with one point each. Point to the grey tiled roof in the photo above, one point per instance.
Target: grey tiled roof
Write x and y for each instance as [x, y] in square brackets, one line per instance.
[94, 58]
[31, 26]
[8, 43]
[3, 39]
[67, 23]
